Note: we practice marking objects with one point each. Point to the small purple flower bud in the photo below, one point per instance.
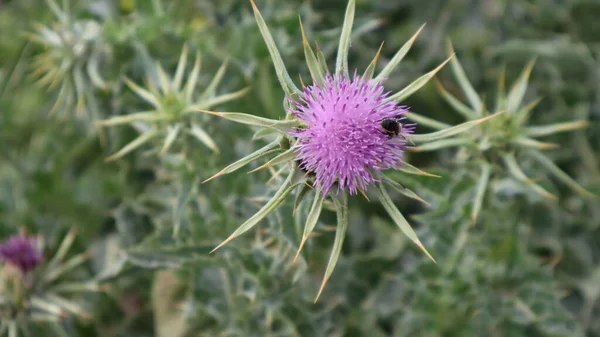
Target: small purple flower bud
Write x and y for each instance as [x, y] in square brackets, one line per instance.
[344, 139]
[21, 251]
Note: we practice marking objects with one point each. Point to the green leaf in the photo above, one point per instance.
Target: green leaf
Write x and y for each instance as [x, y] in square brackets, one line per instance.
[286, 187]
[455, 103]
[428, 137]
[417, 84]
[481, 187]
[516, 94]
[164, 81]
[262, 152]
[300, 196]
[211, 102]
[321, 58]
[546, 130]
[186, 190]
[150, 116]
[192, 80]
[67, 266]
[313, 217]
[370, 71]
[426, 121]
[408, 168]
[64, 247]
[463, 82]
[172, 133]
[442, 143]
[399, 219]
[341, 62]
[263, 133]
[203, 137]
[282, 126]
[167, 256]
[284, 78]
[402, 189]
[144, 94]
[532, 143]
[311, 60]
[139, 141]
[180, 69]
[214, 83]
[501, 90]
[560, 174]
[389, 68]
[515, 170]
[341, 208]
[281, 158]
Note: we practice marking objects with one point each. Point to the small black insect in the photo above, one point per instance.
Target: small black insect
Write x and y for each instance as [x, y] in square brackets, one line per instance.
[392, 127]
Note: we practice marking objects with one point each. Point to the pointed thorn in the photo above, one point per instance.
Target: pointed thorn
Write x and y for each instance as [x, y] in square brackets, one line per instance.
[304, 238]
[231, 237]
[254, 8]
[364, 194]
[213, 177]
[420, 245]
[220, 114]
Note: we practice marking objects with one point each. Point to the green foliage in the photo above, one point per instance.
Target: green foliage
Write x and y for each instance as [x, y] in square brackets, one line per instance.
[185, 98]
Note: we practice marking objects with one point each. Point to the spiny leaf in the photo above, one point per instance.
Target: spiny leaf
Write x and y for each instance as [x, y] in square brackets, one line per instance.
[270, 206]
[321, 58]
[546, 130]
[214, 83]
[481, 187]
[190, 85]
[180, 69]
[164, 80]
[64, 247]
[186, 191]
[311, 60]
[67, 266]
[280, 125]
[283, 157]
[523, 115]
[402, 189]
[139, 141]
[442, 143]
[143, 93]
[532, 143]
[300, 196]
[389, 68]
[341, 62]
[211, 102]
[341, 208]
[408, 168]
[262, 152]
[203, 137]
[284, 78]
[515, 170]
[455, 103]
[417, 84]
[560, 174]
[516, 94]
[427, 137]
[426, 121]
[463, 82]
[171, 136]
[399, 219]
[313, 217]
[370, 71]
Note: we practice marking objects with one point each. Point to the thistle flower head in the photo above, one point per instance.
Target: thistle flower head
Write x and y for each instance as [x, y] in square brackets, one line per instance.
[21, 251]
[343, 139]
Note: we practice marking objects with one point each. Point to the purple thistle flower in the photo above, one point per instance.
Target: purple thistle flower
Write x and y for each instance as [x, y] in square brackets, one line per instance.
[344, 140]
[21, 251]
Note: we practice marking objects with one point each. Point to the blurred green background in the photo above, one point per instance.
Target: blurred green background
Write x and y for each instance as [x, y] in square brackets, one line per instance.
[529, 267]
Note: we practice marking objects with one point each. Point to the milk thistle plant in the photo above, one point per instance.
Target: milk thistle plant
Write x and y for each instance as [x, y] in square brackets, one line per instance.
[74, 51]
[36, 290]
[496, 146]
[173, 104]
[339, 135]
